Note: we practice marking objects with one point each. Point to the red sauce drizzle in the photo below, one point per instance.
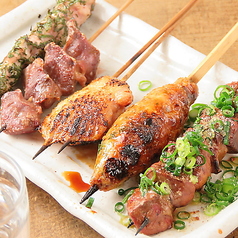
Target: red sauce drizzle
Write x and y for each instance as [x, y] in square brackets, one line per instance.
[76, 181]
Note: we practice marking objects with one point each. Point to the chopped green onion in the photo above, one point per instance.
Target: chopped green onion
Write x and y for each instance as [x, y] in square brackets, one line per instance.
[90, 202]
[231, 172]
[122, 191]
[234, 160]
[183, 215]
[119, 207]
[212, 209]
[127, 196]
[164, 188]
[226, 164]
[228, 111]
[145, 85]
[227, 130]
[223, 89]
[179, 225]
[197, 197]
[190, 162]
[217, 125]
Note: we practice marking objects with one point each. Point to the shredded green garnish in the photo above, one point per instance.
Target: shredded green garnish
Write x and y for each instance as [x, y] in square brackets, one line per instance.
[147, 184]
[222, 192]
[179, 225]
[183, 215]
[182, 159]
[145, 85]
[90, 202]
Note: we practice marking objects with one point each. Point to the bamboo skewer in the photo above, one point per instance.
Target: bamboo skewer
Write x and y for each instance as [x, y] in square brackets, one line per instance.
[108, 22]
[195, 77]
[169, 26]
[160, 36]
[215, 54]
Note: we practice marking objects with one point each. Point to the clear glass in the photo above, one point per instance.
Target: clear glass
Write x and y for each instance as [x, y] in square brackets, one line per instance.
[14, 204]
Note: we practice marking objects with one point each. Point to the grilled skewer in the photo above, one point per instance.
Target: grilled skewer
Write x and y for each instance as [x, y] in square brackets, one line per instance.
[214, 142]
[84, 123]
[138, 136]
[51, 29]
[44, 81]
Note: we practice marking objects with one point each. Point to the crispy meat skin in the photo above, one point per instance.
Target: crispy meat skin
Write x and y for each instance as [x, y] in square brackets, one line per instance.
[86, 115]
[182, 190]
[141, 132]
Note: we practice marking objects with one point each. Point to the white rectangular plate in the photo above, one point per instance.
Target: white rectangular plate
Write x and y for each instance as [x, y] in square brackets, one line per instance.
[117, 44]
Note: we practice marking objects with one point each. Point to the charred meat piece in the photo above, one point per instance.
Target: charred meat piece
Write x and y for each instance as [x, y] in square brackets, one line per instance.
[52, 28]
[182, 192]
[86, 115]
[216, 142]
[63, 69]
[39, 86]
[138, 136]
[86, 55]
[18, 115]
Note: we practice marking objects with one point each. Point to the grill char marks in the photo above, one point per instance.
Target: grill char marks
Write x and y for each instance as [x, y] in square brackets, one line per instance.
[86, 115]
[138, 136]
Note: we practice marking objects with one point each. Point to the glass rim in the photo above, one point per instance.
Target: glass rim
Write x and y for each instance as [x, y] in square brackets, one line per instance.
[21, 181]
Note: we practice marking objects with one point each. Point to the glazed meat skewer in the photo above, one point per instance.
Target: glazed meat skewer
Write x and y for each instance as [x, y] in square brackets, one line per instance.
[152, 211]
[139, 135]
[86, 115]
[45, 81]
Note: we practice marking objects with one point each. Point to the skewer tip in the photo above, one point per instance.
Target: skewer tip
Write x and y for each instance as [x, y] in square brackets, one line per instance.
[43, 147]
[3, 128]
[90, 192]
[131, 224]
[63, 146]
[144, 224]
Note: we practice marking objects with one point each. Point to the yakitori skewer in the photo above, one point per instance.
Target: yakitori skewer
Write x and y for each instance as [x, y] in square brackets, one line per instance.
[86, 115]
[31, 46]
[139, 135]
[179, 174]
[109, 21]
[46, 80]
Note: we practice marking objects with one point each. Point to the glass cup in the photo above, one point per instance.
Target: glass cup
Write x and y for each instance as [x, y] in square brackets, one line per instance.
[14, 204]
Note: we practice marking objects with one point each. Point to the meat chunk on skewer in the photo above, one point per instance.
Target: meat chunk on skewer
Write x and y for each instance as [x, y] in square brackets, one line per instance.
[138, 136]
[18, 115]
[86, 55]
[86, 115]
[209, 141]
[153, 206]
[63, 69]
[51, 29]
[39, 86]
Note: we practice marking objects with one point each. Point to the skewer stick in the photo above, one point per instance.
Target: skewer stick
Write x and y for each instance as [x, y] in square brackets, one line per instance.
[215, 54]
[161, 35]
[108, 22]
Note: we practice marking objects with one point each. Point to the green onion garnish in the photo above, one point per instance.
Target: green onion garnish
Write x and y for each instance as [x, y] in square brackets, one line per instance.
[179, 225]
[119, 207]
[145, 85]
[234, 160]
[90, 202]
[226, 164]
[183, 215]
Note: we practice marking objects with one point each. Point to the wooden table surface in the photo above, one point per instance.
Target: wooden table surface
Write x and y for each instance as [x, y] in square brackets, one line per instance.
[207, 23]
